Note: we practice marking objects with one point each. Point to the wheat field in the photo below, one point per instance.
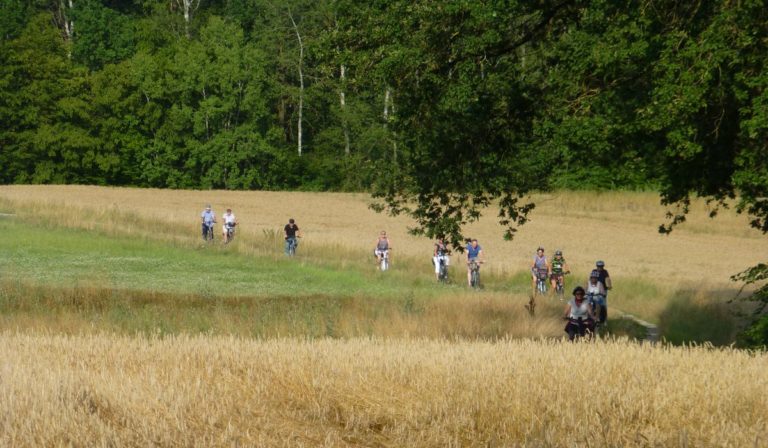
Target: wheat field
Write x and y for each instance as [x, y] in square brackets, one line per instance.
[209, 391]
[618, 227]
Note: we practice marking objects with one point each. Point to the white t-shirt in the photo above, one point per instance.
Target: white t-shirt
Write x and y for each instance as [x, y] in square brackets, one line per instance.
[229, 218]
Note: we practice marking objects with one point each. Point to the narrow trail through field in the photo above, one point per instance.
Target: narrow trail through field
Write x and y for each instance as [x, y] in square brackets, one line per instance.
[651, 330]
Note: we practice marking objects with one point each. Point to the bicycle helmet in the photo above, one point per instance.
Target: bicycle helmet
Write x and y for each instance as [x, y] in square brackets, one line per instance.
[558, 252]
[579, 289]
[600, 263]
[594, 274]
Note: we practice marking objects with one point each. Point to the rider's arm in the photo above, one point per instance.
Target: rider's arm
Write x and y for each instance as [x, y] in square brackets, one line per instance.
[607, 282]
[567, 311]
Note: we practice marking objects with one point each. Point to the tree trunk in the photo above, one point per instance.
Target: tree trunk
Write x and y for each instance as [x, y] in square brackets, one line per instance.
[188, 8]
[389, 109]
[343, 102]
[301, 80]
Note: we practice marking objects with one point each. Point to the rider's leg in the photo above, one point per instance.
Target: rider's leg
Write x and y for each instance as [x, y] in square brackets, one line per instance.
[287, 246]
[436, 262]
[469, 276]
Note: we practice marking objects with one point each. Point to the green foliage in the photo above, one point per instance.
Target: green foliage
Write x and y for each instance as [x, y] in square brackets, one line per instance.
[756, 335]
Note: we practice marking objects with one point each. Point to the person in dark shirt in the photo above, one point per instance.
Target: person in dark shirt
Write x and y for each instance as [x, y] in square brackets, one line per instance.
[603, 276]
[291, 235]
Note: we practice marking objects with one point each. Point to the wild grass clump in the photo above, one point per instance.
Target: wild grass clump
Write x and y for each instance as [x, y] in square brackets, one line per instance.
[105, 390]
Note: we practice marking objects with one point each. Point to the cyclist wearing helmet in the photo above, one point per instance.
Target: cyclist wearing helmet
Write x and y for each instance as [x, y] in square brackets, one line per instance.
[540, 267]
[579, 314]
[603, 276]
[559, 269]
[596, 296]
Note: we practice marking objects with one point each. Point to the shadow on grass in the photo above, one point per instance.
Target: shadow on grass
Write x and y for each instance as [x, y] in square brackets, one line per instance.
[700, 318]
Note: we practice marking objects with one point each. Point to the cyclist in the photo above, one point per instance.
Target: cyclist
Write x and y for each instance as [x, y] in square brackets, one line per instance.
[207, 218]
[229, 223]
[559, 269]
[440, 253]
[540, 266]
[383, 246]
[596, 295]
[579, 314]
[474, 253]
[603, 275]
[291, 233]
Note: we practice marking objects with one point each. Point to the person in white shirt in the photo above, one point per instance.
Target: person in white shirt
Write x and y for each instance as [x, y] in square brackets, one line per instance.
[229, 222]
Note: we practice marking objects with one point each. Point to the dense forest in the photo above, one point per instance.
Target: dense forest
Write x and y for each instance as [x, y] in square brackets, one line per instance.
[329, 94]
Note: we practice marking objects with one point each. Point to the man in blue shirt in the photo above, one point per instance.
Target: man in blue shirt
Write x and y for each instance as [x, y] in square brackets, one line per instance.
[474, 252]
[208, 218]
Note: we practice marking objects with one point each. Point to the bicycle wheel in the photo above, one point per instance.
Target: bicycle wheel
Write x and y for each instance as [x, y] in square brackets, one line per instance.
[475, 279]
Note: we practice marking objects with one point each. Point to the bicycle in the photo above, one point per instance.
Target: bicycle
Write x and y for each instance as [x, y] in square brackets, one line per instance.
[384, 262]
[474, 268]
[560, 284]
[208, 232]
[541, 282]
[230, 234]
[291, 243]
[598, 303]
[442, 275]
[579, 328]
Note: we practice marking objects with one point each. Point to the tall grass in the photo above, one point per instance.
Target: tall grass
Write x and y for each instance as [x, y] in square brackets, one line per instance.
[94, 309]
[192, 391]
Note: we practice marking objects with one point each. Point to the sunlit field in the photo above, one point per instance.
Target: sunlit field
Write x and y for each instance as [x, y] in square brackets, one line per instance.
[211, 391]
[649, 270]
[618, 227]
[119, 326]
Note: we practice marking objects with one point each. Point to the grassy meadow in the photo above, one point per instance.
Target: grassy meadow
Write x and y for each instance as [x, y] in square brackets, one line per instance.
[119, 326]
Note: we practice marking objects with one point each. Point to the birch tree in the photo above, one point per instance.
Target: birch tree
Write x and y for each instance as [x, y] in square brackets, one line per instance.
[301, 81]
[188, 8]
[343, 105]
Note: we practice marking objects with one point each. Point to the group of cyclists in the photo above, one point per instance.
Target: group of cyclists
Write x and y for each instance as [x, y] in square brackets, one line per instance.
[584, 311]
[208, 219]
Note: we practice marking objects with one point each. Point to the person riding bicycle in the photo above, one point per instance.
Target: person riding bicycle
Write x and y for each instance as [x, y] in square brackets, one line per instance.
[540, 267]
[474, 253]
[603, 276]
[229, 223]
[291, 234]
[578, 313]
[441, 252]
[559, 269]
[596, 294]
[383, 246]
[207, 218]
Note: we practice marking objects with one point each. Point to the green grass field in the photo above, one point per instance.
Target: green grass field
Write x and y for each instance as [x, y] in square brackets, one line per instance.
[92, 266]
[74, 280]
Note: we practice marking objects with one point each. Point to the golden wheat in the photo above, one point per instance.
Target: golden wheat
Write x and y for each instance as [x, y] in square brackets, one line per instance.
[207, 391]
